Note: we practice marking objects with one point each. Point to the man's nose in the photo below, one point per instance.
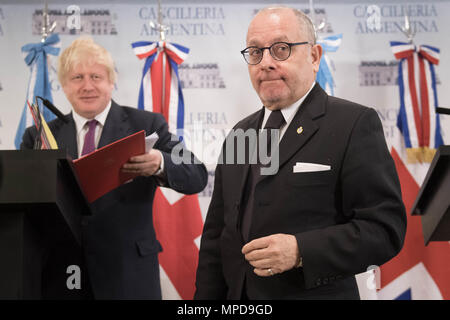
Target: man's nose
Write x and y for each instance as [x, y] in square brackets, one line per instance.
[87, 84]
[267, 60]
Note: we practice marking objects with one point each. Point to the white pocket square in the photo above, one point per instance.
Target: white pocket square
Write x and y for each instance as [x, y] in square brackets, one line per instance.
[310, 167]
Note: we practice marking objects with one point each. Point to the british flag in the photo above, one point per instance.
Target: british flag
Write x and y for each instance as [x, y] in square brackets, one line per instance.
[419, 271]
[177, 217]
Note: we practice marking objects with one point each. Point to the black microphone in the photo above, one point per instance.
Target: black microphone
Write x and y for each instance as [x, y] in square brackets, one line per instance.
[53, 109]
[442, 110]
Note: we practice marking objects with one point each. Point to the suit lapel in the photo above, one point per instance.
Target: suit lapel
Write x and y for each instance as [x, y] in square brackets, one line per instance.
[254, 124]
[116, 126]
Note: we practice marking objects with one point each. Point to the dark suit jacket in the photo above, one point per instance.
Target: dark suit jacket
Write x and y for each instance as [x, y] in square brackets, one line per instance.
[345, 219]
[119, 242]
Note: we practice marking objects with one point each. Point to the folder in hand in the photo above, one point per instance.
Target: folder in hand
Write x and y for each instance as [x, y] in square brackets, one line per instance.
[100, 172]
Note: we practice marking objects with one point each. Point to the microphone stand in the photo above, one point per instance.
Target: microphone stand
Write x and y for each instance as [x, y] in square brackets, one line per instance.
[53, 109]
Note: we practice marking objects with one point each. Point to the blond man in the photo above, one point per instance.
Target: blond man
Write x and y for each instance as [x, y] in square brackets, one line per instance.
[120, 249]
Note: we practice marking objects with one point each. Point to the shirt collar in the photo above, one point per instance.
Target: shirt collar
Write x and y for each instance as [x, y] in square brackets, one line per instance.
[80, 121]
[290, 111]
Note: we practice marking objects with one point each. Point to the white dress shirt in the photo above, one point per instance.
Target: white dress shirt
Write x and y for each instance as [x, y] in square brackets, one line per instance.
[82, 128]
[288, 113]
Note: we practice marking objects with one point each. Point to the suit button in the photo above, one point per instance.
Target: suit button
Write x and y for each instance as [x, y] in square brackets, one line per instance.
[318, 282]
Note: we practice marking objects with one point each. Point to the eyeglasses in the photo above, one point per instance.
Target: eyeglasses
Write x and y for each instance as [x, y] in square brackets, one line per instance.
[279, 51]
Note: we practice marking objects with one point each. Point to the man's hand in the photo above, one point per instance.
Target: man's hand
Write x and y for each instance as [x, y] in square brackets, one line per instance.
[272, 254]
[144, 165]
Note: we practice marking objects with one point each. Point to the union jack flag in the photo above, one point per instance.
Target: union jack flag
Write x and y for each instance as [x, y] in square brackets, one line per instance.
[177, 217]
[419, 271]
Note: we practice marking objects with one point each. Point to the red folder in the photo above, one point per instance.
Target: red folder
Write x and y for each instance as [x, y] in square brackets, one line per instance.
[99, 172]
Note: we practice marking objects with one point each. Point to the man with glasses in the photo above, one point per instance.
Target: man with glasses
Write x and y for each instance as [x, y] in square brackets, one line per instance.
[332, 209]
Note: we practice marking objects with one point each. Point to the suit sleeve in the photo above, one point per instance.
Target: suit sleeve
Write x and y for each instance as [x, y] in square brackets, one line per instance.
[184, 172]
[28, 138]
[374, 226]
[210, 283]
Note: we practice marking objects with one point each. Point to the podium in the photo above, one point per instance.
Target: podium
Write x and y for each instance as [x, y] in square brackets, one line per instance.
[433, 200]
[41, 208]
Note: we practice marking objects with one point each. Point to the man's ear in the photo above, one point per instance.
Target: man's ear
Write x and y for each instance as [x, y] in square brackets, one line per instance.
[316, 54]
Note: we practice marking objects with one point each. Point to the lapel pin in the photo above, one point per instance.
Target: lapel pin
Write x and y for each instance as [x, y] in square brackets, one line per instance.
[299, 130]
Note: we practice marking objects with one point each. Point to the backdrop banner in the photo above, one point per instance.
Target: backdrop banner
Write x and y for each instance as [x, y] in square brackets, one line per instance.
[217, 90]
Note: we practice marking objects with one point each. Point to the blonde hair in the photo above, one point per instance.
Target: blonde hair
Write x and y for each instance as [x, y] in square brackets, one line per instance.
[85, 51]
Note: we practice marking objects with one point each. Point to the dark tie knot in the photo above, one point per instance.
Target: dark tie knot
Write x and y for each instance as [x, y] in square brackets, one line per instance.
[275, 121]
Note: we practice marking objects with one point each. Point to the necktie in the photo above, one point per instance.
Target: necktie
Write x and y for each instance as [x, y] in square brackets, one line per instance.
[275, 121]
[89, 138]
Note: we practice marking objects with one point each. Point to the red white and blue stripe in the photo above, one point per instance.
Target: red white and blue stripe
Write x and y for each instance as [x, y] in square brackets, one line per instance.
[177, 217]
[160, 89]
[417, 119]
